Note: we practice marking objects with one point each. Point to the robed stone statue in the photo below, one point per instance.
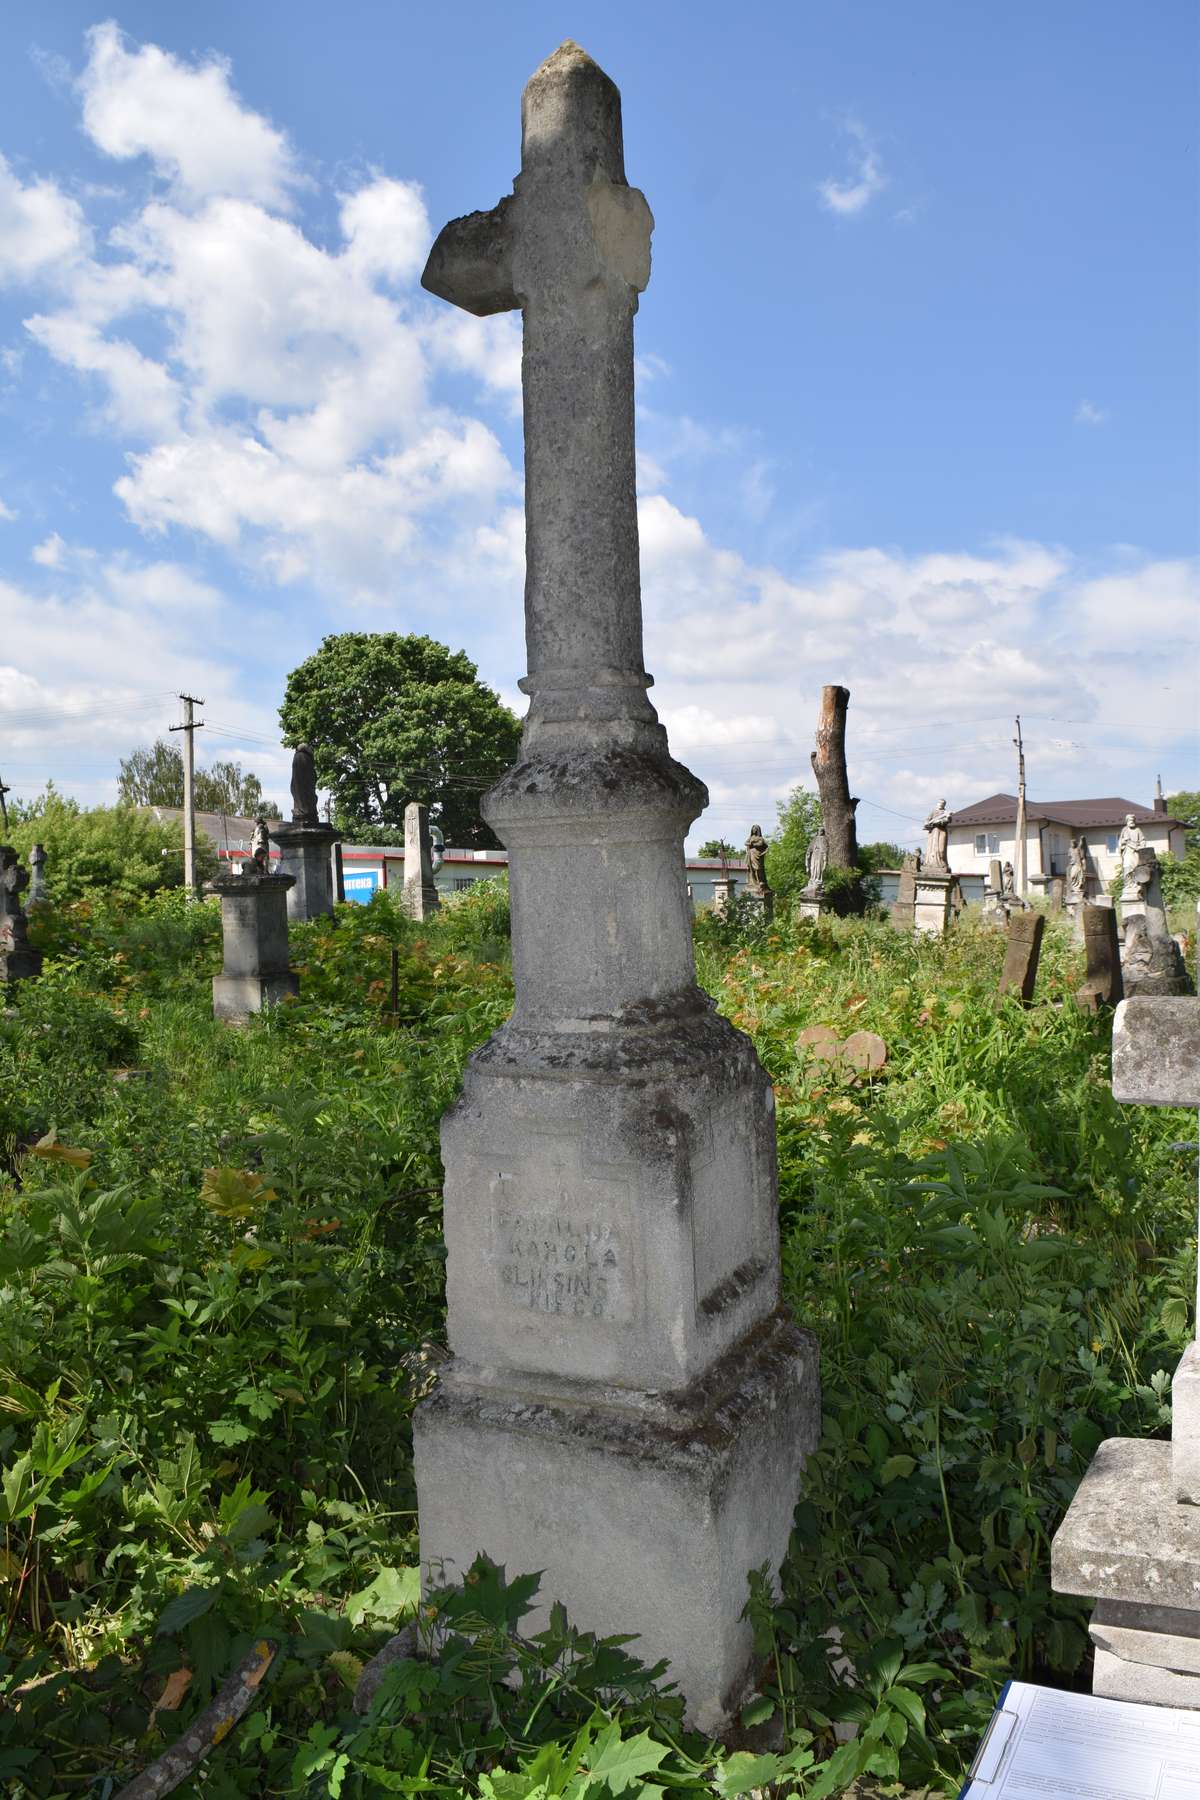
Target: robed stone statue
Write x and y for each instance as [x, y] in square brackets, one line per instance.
[304, 787]
[756, 861]
[816, 859]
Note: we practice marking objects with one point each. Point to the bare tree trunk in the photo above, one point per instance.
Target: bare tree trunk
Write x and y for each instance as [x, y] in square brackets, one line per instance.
[837, 804]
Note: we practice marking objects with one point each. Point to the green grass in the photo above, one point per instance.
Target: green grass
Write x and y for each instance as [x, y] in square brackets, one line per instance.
[221, 1257]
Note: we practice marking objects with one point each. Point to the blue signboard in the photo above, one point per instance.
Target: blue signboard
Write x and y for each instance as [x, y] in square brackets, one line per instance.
[361, 885]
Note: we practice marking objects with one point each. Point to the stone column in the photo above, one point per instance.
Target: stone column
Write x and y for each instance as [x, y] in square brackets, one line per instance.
[254, 927]
[421, 898]
[305, 856]
[626, 1407]
[37, 875]
[1131, 1537]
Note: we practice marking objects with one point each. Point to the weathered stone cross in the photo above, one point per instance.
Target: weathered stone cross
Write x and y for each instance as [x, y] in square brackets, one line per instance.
[626, 1407]
[571, 248]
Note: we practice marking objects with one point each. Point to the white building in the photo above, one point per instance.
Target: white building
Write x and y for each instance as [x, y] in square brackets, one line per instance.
[989, 829]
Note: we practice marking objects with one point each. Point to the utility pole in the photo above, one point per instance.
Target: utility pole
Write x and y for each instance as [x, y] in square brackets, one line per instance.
[190, 725]
[1020, 859]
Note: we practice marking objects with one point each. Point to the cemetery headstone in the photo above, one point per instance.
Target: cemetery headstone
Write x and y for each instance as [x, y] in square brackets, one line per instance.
[1151, 962]
[626, 1407]
[1102, 985]
[1131, 1537]
[902, 913]
[995, 906]
[421, 898]
[37, 875]
[1021, 957]
[19, 960]
[254, 929]
[306, 845]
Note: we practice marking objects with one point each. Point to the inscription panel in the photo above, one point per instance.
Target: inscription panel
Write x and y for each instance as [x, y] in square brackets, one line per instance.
[568, 1253]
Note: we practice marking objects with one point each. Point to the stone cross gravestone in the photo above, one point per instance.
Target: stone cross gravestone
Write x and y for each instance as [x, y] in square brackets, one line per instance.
[1131, 1537]
[421, 897]
[626, 1407]
[37, 875]
[1022, 955]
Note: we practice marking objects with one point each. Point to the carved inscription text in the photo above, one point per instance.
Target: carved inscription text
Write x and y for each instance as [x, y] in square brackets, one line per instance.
[554, 1263]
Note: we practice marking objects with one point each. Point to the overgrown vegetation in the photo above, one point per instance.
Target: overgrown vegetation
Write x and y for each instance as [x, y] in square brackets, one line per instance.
[221, 1262]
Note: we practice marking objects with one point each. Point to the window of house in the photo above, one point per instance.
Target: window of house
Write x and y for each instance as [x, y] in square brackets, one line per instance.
[463, 881]
[1111, 841]
[987, 843]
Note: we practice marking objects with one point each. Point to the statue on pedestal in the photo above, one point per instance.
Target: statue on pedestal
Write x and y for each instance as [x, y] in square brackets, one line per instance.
[1131, 847]
[756, 862]
[1077, 869]
[937, 828]
[816, 862]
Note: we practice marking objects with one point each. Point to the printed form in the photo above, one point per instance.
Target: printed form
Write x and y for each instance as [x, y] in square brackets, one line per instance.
[1046, 1745]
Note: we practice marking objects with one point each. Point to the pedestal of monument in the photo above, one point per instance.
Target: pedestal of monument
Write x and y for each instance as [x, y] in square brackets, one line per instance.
[1131, 1537]
[626, 1408]
[421, 898]
[933, 894]
[254, 930]
[810, 903]
[306, 855]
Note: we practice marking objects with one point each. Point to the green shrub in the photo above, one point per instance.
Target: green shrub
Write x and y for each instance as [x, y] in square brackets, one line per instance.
[120, 850]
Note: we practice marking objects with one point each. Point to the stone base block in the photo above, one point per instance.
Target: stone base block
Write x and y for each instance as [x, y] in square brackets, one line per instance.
[644, 1512]
[1185, 1426]
[305, 853]
[21, 964]
[932, 903]
[1125, 1536]
[809, 907]
[1161, 1637]
[235, 997]
[1143, 1683]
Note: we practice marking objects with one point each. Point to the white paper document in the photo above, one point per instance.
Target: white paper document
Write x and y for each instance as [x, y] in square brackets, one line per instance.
[1046, 1745]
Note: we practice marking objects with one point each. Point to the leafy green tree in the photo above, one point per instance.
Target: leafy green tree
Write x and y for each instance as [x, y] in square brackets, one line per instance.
[395, 718]
[1181, 878]
[882, 855]
[154, 777]
[718, 847]
[798, 822]
[117, 848]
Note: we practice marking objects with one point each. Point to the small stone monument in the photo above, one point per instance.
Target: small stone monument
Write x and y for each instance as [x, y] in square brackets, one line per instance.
[935, 885]
[306, 845]
[254, 929]
[811, 902]
[1131, 1537]
[904, 905]
[1151, 962]
[626, 1407]
[421, 898]
[758, 890]
[1102, 986]
[37, 876]
[19, 960]
[1021, 958]
[995, 903]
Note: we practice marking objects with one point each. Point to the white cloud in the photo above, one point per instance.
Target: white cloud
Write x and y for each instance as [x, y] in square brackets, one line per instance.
[185, 117]
[386, 228]
[49, 553]
[865, 179]
[42, 230]
[1088, 414]
[6, 513]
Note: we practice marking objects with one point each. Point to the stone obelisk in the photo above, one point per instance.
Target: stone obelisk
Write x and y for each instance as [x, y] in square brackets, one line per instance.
[626, 1406]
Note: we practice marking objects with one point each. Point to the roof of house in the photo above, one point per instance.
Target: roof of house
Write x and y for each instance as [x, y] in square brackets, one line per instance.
[1001, 809]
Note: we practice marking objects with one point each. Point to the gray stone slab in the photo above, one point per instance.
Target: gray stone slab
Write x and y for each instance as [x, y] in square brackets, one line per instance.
[1103, 986]
[1125, 1536]
[235, 997]
[1022, 955]
[1156, 1051]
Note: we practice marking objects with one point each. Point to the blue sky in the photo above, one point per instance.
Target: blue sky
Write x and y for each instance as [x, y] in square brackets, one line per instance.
[917, 377]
